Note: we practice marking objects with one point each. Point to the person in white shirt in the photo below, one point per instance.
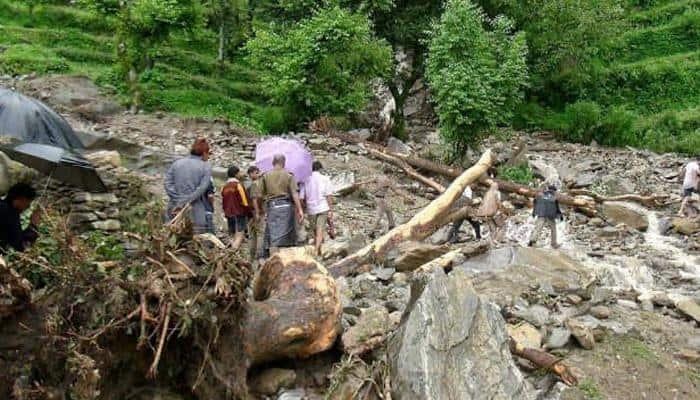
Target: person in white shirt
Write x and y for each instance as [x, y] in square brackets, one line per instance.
[691, 179]
[318, 195]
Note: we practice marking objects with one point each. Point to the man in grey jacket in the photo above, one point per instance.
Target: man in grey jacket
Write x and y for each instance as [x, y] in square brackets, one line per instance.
[547, 211]
[187, 181]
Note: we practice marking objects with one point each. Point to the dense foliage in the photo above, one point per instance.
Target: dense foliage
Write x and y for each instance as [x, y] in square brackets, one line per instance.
[477, 71]
[320, 66]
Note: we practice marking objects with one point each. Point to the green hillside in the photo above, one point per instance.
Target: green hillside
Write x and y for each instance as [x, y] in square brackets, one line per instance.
[186, 78]
[647, 88]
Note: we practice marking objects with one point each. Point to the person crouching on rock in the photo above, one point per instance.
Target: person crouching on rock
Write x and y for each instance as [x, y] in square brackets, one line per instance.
[19, 198]
[546, 210]
[280, 191]
[489, 208]
[188, 181]
[237, 207]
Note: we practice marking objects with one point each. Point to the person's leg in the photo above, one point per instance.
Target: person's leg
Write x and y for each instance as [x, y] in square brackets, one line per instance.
[477, 228]
[493, 229]
[454, 231]
[240, 224]
[684, 202]
[253, 237]
[539, 223]
[553, 232]
[320, 223]
[379, 211]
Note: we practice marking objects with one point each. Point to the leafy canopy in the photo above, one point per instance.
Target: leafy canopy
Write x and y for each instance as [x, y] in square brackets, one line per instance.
[322, 65]
[477, 70]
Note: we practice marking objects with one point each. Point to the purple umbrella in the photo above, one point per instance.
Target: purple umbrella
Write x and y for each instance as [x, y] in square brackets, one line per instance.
[298, 157]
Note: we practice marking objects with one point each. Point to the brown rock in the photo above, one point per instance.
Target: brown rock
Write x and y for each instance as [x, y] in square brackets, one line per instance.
[373, 322]
[621, 213]
[582, 332]
[685, 226]
[525, 334]
[408, 256]
[689, 307]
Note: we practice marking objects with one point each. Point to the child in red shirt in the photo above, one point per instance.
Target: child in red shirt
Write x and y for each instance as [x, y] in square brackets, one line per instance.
[237, 206]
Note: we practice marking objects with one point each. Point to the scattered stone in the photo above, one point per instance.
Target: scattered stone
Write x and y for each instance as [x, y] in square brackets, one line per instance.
[270, 381]
[373, 322]
[384, 274]
[596, 222]
[689, 307]
[685, 226]
[397, 146]
[601, 312]
[582, 332]
[360, 134]
[574, 299]
[558, 338]
[627, 304]
[525, 334]
[81, 218]
[400, 279]
[658, 298]
[537, 315]
[109, 225]
[622, 213]
[105, 158]
[452, 335]
[296, 394]
[408, 256]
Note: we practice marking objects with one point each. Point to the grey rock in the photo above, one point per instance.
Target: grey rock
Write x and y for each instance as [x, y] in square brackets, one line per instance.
[622, 213]
[109, 225]
[558, 338]
[384, 274]
[360, 134]
[582, 332]
[450, 334]
[689, 307]
[373, 322]
[397, 146]
[537, 315]
[81, 218]
[615, 327]
[400, 279]
[626, 304]
[296, 394]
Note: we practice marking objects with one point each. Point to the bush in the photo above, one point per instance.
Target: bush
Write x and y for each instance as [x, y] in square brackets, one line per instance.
[271, 119]
[477, 71]
[581, 120]
[520, 174]
[617, 128]
[320, 66]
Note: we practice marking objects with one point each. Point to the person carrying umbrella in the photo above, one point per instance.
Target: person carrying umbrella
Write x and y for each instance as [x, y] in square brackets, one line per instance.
[279, 190]
[188, 181]
[19, 198]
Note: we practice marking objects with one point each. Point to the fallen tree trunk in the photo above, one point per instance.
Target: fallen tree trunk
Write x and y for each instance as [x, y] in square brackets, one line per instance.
[406, 168]
[652, 201]
[545, 360]
[296, 309]
[422, 225]
[447, 261]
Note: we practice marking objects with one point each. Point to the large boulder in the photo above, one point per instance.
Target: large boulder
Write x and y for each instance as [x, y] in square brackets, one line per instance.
[408, 256]
[452, 344]
[685, 226]
[623, 213]
[503, 274]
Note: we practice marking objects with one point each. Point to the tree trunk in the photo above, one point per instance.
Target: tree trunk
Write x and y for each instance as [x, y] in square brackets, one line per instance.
[422, 225]
[222, 42]
[296, 309]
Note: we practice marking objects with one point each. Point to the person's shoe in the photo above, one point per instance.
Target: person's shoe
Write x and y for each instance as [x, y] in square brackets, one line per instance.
[530, 244]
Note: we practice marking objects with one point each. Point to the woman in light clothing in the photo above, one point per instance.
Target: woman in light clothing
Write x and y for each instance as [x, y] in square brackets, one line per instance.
[489, 208]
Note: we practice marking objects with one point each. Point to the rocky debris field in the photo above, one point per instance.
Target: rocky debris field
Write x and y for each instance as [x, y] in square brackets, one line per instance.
[618, 303]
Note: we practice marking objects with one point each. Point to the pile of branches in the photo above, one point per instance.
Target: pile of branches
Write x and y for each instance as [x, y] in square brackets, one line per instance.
[169, 303]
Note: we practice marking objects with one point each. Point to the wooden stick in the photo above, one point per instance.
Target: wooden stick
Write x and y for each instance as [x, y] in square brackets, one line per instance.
[153, 370]
[544, 360]
[422, 225]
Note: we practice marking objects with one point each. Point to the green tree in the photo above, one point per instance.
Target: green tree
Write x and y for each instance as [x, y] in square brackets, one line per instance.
[565, 39]
[141, 26]
[321, 65]
[229, 18]
[477, 70]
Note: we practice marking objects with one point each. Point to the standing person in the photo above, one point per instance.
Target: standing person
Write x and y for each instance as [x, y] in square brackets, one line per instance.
[384, 186]
[464, 200]
[209, 206]
[19, 198]
[280, 191]
[691, 183]
[318, 194]
[489, 208]
[256, 227]
[237, 207]
[547, 210]
[187, 181]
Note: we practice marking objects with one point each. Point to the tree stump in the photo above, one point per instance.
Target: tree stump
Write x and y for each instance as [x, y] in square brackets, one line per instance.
[296, 309]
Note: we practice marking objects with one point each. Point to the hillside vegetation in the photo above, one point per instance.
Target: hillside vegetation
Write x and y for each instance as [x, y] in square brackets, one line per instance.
[644, 90]
[620, 72]
[186, 77]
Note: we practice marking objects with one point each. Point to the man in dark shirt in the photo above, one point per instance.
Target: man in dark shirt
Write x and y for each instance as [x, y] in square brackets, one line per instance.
[19, 198]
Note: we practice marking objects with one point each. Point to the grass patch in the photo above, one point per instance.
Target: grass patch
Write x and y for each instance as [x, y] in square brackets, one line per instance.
[634, 349]
[521, 173]
[590, 389]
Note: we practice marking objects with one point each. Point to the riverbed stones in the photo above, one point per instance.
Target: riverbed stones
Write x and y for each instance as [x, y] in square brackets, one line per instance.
[582, 331]
[685, 226]
[623, 213]
[558, 338]
[451, 335]
[689, 307]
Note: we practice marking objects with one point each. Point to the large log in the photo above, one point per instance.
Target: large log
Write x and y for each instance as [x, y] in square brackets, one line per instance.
[422, 225]
[296, 309]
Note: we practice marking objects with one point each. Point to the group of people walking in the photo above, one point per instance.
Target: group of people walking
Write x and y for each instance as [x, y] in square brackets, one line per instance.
[267, 208]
